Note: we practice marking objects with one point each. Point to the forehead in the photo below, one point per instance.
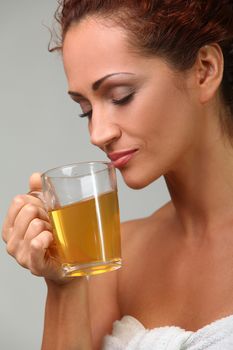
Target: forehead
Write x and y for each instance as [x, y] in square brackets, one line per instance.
[90, 39]
[94, 49]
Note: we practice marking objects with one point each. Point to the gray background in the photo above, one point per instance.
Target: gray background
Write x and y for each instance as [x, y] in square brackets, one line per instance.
[39, 130]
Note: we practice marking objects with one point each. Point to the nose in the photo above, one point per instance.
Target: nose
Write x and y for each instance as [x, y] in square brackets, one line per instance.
[103, 131]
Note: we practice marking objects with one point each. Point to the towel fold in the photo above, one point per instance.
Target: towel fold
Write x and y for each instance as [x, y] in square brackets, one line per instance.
[130, 334]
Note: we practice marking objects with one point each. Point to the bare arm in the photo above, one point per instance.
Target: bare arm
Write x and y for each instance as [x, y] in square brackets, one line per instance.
[67, 321]
[79, 314]
[28, 235]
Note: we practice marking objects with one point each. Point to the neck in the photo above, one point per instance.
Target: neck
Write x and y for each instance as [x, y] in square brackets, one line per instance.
[201, 187]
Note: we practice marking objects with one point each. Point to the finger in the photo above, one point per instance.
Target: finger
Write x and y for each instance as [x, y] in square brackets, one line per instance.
[17, 204]
[38, 248]
[26, 215]
[35, 227]
[35, 182]
[19, 248]
[37, 194]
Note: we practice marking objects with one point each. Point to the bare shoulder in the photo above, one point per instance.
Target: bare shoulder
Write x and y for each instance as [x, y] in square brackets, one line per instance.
[144, 238]
[144, 250]
[139, 231]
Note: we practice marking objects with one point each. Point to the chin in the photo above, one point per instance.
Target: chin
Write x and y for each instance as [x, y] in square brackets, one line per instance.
[137, 182]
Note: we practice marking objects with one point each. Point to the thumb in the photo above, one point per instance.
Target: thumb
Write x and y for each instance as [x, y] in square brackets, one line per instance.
[35, 183]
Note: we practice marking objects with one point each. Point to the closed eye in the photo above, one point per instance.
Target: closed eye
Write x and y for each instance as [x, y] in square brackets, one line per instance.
[86, 114]
[124, 100]
[85, 107]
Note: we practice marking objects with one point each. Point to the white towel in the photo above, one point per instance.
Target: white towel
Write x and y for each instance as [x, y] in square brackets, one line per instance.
[130, 334]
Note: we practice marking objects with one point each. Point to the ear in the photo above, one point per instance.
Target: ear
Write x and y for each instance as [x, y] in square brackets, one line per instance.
[209, 71]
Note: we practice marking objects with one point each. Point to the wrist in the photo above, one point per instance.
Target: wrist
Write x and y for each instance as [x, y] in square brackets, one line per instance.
[66, 285]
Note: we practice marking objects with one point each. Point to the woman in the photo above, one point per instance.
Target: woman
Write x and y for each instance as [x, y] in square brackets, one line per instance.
[155, 79]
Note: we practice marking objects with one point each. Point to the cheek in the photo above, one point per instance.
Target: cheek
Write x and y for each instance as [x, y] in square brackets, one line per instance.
[165, 128]
[167, 116]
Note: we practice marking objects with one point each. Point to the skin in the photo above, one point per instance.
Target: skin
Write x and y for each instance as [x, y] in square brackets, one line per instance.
[178, 258]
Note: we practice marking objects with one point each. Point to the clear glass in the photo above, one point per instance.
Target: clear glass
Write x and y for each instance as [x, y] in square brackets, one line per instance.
[82, 203]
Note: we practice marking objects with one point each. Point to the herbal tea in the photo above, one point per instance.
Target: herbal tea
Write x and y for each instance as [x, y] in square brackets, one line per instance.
[87, 235]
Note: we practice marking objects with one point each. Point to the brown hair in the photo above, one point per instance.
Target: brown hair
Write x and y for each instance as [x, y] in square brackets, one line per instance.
[173, 29]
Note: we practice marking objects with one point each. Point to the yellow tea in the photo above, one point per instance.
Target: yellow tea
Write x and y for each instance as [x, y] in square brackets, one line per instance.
[87, 235]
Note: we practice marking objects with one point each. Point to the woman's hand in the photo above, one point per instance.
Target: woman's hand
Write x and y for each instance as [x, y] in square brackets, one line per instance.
[28, 234]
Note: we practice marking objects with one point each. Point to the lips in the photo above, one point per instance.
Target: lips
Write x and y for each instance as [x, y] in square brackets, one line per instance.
[120, 159]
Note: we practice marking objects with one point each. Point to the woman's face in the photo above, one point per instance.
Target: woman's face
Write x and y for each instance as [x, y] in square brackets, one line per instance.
[138, 111]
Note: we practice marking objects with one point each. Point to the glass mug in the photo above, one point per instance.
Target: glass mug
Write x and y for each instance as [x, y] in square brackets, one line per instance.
[82, 204]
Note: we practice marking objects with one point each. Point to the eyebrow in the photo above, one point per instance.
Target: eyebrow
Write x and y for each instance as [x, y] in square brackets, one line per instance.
[97, 83]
